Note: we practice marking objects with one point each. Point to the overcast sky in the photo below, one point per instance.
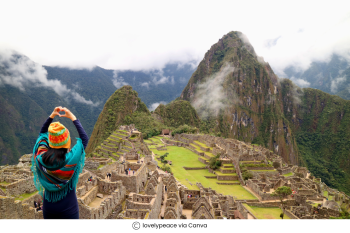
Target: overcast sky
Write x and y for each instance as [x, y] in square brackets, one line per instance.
[149, 34]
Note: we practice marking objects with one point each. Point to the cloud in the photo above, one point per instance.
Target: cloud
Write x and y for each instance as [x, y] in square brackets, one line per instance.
[271, 42]
[160, 80]
[300, 82]
[19, 71]
[210, 97]
[145, 84]
[336, 82]
[144, 42]
[118, 82]
[153, 106]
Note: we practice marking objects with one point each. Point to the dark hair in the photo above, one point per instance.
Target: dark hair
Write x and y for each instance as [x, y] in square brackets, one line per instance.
[54, 156]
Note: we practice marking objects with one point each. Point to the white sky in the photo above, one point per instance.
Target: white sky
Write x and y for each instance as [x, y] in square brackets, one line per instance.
[149, 34]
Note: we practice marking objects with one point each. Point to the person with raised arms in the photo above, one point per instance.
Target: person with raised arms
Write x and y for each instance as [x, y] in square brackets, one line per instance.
[56, 166]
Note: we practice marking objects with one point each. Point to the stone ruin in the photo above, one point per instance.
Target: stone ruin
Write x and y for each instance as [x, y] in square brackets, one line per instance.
[147, 193]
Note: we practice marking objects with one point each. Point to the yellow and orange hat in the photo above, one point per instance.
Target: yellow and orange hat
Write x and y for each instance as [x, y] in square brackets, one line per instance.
[59, 136]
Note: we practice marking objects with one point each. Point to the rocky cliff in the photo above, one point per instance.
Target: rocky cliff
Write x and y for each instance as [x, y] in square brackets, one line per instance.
[236, 88]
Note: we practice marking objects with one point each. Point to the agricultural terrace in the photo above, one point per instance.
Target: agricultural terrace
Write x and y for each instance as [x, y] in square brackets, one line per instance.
[183, 157]
[265, 213]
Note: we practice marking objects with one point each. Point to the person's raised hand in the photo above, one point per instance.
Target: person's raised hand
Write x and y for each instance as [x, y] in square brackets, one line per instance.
[68, 114]
[56, 112]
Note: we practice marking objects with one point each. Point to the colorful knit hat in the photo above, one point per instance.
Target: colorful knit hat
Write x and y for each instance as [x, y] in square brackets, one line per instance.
[59, 136]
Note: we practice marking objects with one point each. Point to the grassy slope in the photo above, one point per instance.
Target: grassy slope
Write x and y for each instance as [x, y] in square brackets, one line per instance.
[181, 157]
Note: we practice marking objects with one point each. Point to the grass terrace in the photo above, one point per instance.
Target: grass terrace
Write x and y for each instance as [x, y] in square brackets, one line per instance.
[325, 193]
[266, 213]
[25, 196]
[205, 152]
[288, 174]
[225, 174]
[182, 157]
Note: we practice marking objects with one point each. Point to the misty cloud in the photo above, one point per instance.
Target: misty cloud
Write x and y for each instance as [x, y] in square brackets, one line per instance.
[304, 34]
[300, 82]
[160, 80]
[145, 84]
[153, 106]
[118, 82]
[210, 97]
[19, 71]
[336, 82]
[271, 42]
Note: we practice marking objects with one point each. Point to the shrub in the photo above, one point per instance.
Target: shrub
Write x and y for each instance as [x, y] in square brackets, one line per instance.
[214, 162]
[247, 175]
[167, 169]
[276, 164]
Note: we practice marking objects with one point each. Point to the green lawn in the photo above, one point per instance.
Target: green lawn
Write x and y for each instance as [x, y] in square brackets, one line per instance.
[325, 193]
[205, 152]
[182, 157]
[225, 174]
[266, 213]
[201, 144]
[288, 174]
[25, 196]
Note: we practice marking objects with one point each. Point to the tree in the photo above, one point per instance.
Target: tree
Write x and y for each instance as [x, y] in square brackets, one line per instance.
[282, 215]
[247, 175]
[282, 192]
[214, 162]
[162, 157]
[276, 164]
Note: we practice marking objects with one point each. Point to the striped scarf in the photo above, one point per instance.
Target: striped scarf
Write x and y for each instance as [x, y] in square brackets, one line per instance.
[59, 179]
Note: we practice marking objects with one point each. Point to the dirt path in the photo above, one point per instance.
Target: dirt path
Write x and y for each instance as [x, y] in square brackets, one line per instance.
[250, 216]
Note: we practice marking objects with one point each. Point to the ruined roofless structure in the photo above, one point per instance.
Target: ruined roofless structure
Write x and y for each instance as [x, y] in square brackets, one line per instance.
[138, 190]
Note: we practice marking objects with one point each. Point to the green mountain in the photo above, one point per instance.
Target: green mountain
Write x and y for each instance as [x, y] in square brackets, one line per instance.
[332, 77]
[123, 102]
[177, 113]
[124, 107]
[237, 95]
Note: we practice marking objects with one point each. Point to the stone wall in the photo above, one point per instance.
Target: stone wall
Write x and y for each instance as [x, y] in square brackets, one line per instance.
[227, 177]
[106, 207]
[89, 197]
[156, 207]
[92, 165]
[289, 214]
[132, 183]
[256, 189]
[21, 186]
[107, 168]
[11, 209]
[260, 168]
